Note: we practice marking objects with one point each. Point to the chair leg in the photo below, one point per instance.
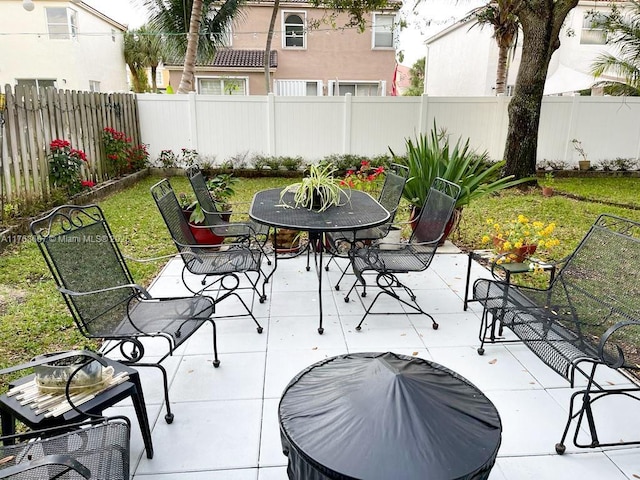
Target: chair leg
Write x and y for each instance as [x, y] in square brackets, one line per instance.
[165, 383]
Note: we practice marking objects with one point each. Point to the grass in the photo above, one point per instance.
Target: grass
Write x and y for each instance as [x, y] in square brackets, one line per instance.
[34, 318]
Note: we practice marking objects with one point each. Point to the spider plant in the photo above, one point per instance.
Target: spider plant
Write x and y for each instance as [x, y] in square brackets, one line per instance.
[432, 156]
[318, 191]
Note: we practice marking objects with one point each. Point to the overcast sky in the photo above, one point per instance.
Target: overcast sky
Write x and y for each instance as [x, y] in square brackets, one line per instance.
[428, 18]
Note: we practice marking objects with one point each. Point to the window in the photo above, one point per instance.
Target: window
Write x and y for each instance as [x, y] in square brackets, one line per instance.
[113, 35]
[222, 86]
[36, 82]
[294, 30]
[94, 86]
[357, 89]
[383, 31]
[62, 23]
[301, 88]
[593, 32]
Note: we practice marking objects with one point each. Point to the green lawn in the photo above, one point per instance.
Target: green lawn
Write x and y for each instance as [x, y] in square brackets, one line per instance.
[34, 319]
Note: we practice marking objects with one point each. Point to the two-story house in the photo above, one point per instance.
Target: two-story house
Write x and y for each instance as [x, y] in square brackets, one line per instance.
[308, 56]
[65, 44]
[462, 59]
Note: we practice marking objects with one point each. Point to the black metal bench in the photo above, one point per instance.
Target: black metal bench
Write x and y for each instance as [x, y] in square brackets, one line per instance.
[588, 317]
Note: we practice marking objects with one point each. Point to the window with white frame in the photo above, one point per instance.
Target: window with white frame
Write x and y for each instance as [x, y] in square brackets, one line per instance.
[295, 35]
[357, 89]
[36, 82]
[290, 88]
[383, 30]
[62, 23]
[113, 35]
[222, 86]
[94, 86]
[593, 32]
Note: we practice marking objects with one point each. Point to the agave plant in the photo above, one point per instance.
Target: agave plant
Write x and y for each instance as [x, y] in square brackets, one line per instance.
[317, 191]
[432, 156]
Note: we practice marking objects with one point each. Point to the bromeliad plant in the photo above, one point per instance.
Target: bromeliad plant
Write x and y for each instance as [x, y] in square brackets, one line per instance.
[318, 191]
[65, 164]
[432, 156]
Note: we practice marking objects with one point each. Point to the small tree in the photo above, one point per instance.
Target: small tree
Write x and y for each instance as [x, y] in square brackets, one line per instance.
[416, 77]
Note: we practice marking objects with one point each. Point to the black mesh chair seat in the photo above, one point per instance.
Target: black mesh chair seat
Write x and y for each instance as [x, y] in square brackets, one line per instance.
[219, 265]
[414, 256]
[93, 451]
[105, 302]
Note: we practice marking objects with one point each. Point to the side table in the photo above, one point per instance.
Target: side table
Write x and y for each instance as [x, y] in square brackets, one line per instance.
[11, 409]
[507, 268]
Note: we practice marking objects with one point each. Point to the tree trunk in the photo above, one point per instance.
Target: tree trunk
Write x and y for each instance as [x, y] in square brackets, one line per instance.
[186, 82]
[154, 84]
[501, 73]
[541, 22]
[267, 48]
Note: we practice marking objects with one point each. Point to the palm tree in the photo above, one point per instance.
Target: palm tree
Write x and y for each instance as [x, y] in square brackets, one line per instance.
[207, 21]
[134, 59]
[151, 51]
[623, 32]
[500, 15]
[416, 76]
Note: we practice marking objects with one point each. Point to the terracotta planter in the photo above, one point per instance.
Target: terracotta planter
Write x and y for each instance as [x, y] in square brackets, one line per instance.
[584, 164]
[518, 255]
[202, 236]
[287, 240]
[547, 191]
[451, 225]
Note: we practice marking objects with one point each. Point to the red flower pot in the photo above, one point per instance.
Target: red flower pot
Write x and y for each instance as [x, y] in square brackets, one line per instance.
[518, 255]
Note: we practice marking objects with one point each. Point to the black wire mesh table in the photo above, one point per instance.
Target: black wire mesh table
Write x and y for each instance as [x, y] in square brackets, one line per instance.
[381, 416]
[357, 211]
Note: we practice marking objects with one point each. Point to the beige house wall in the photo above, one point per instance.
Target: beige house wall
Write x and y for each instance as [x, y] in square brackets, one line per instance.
[330, 54]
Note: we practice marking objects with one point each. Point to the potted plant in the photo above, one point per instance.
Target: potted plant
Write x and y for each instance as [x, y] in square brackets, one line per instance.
[519, 238]
[584, 163]
[195, 216]
[317, 191]
[221, 189]
[432, 156]
[547, 184]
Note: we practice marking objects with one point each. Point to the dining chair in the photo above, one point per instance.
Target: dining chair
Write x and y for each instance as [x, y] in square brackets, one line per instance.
[220, 266]
[339, 243]
[413, 256]
[91, 273]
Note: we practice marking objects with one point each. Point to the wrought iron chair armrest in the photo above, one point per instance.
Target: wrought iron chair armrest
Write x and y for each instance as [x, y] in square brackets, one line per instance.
[249, 227]
[58, 459]
[140, 289]
[619, 362]
[53, 358]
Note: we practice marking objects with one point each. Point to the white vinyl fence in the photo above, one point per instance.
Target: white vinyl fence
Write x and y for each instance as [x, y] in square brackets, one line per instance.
[222, 127]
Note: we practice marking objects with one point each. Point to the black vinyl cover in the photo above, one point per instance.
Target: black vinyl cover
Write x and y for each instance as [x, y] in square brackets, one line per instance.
[386, 416]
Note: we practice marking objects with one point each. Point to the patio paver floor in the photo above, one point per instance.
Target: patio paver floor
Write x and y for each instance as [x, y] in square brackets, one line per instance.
[226, 425]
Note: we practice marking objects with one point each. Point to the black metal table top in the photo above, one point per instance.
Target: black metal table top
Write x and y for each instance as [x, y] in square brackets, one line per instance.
[356, 211]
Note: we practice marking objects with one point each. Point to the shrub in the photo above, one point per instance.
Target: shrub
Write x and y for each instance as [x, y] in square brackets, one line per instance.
[167, 159]
[64, 166]
[116, 145]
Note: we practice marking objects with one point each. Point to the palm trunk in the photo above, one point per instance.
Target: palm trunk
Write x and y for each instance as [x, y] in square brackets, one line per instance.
[186, 82]
[267, 51]
[154, 84]
[501, 73]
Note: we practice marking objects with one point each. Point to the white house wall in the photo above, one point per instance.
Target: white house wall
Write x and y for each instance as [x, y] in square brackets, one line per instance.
[27, 51]
[221, 127]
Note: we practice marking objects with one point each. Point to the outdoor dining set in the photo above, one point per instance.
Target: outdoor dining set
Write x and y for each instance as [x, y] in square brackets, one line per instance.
[379, 409]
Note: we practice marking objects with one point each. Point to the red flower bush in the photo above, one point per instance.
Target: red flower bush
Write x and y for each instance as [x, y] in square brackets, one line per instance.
[365, 178]
[65, 164]
[122, 155]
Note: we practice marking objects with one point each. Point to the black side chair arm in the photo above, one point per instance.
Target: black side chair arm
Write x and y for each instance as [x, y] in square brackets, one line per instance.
[140, 289]
[62, 460]
[250, 229]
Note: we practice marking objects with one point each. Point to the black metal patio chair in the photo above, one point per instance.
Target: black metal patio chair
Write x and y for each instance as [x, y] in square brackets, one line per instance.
[218, 265]
[340, 243]
[97, 448]
[215, 219]
[105, 302]
[413, 256]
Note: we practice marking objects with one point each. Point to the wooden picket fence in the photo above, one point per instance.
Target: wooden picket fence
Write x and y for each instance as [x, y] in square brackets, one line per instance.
[32, 118]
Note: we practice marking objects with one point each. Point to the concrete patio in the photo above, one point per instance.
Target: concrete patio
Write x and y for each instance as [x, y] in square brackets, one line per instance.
[226, 421]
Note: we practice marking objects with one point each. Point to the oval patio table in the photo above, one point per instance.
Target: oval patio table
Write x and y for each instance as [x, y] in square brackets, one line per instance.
[357, 210]
[382, 416]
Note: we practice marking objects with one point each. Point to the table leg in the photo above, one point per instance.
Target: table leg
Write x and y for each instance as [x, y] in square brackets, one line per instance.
[318, 247]
[466, 287]
[8, 426]
[137, 398]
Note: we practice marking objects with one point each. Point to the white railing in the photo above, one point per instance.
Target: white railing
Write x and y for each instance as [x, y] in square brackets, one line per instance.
[221, 127]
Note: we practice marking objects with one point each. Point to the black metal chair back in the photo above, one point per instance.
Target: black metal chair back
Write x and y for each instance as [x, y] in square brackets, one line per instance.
[436, 212]
[395, 178]
[209, 208]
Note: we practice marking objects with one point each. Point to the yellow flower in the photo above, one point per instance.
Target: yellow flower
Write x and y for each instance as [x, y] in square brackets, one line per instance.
[486, 239]
[541, 244]
[507, 245]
